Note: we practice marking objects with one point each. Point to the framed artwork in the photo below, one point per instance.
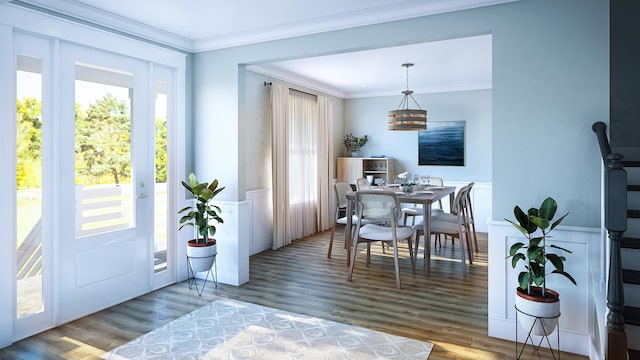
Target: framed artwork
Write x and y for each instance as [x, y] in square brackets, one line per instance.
[442, 144]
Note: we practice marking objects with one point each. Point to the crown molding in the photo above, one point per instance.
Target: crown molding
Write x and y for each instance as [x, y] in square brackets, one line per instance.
[296, 80]
[423, 90]
[88, 15]
[381, 14]
[314, 85]
[91, 16]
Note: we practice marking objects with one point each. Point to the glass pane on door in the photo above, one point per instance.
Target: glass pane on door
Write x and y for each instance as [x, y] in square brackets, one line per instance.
[160, 186]
[104, 192]
[29, 186]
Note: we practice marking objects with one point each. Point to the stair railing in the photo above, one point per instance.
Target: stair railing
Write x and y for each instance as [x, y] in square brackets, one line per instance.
[615, 208]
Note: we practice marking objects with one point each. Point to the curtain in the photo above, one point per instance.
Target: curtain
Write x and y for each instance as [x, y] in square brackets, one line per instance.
[303, 163]
[325, 163]
[280, 167]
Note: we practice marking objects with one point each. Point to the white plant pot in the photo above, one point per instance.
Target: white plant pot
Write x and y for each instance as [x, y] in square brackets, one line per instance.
[546, 309]
[201, 257]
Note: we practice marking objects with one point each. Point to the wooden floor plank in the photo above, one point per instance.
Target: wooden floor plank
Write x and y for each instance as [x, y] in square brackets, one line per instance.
[445, 309]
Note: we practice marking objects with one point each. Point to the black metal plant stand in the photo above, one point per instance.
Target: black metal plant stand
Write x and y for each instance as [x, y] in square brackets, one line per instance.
[542, 338]
[191, 281]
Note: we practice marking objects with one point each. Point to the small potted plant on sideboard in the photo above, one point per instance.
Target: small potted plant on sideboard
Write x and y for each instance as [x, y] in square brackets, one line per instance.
[353, 144]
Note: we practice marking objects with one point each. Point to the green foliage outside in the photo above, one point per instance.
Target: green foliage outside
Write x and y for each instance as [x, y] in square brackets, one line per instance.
[103, 143]
[29, 145]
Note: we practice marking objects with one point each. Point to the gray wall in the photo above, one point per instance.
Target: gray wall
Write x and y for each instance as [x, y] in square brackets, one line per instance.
[369, 116]
[550, 83]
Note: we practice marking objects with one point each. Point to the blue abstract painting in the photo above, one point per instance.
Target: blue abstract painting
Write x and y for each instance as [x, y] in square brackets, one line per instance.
[442, 144]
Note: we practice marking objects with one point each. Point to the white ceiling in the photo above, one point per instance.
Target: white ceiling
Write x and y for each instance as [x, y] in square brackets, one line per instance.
[439, 66]
[200, 25]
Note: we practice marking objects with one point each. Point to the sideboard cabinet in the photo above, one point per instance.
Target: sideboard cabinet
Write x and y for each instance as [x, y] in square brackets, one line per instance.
[350, 169]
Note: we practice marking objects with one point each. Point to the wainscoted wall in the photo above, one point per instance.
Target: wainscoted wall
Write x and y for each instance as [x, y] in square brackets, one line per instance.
[576, 302]
[260, 213]
[480, 200]
[260, 220]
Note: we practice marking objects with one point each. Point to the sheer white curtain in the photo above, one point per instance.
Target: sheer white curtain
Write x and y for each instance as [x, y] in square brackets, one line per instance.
[302, 159]
[303, 163]
[325, 163]
[280, 168]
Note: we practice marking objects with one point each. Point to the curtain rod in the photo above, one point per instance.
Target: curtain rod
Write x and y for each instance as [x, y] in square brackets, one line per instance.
[304, 92]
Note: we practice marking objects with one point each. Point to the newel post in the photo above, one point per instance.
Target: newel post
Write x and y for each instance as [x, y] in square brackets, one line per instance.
[616, 224]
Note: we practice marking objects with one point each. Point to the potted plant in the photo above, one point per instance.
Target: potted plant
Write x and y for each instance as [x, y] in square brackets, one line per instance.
[354, 143]
[203, 216]
[532, 295]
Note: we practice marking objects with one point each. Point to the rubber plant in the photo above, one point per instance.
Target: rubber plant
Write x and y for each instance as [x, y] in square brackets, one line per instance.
[534, 252]
[203, 214]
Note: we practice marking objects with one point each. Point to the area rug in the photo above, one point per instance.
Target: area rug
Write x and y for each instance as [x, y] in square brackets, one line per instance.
[230, 329]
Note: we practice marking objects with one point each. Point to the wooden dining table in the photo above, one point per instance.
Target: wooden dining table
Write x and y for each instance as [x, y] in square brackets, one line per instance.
[424, 196]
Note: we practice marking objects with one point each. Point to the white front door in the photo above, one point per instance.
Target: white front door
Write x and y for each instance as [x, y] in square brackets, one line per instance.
[106, 181]
[90, 163]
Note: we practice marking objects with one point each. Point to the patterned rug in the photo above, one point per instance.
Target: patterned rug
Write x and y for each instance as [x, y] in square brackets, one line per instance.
[230, 329]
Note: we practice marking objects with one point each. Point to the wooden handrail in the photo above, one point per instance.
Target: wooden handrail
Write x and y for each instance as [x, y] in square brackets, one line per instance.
[616, 224]
[600, 129]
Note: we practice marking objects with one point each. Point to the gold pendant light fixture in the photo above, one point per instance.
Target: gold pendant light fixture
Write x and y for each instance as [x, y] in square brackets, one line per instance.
[404, 118]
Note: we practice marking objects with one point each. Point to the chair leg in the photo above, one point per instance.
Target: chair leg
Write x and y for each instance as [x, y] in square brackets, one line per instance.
[473, 225]
[333, 230]
[413, 260]
[395, 262]
[469, 247]
[462, 257]
[354, 250]
[368, 253]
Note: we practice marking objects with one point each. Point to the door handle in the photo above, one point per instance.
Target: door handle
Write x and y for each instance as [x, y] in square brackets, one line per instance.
[142, 196]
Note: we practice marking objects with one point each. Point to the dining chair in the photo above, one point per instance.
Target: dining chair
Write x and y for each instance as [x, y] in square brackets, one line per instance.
[414, 211]
[341, 188]
[468, 217]
[362, 184]
[383, 209]
[454, 229]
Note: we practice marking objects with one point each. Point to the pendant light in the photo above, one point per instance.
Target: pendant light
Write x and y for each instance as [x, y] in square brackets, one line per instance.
[404, 118]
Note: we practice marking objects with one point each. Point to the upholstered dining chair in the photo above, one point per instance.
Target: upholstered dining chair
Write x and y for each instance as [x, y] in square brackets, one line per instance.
[454, 229]
[414, 211]
[383, 209]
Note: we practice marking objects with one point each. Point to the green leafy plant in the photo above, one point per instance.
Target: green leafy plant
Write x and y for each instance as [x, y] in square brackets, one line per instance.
[354, 143]
[534, 252]
[202, 214]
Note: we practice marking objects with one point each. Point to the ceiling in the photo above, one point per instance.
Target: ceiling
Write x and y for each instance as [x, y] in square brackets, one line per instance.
[201, 25]
[439, 66]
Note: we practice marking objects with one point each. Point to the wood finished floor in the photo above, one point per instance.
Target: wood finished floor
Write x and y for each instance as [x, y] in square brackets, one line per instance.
[445, 309]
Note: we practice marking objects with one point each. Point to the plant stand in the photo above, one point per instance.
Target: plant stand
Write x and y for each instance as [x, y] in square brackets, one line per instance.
[192, 281]
[538, 319]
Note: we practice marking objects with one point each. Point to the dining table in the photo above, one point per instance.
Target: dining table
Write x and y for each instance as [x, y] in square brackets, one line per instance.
[423, 195]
